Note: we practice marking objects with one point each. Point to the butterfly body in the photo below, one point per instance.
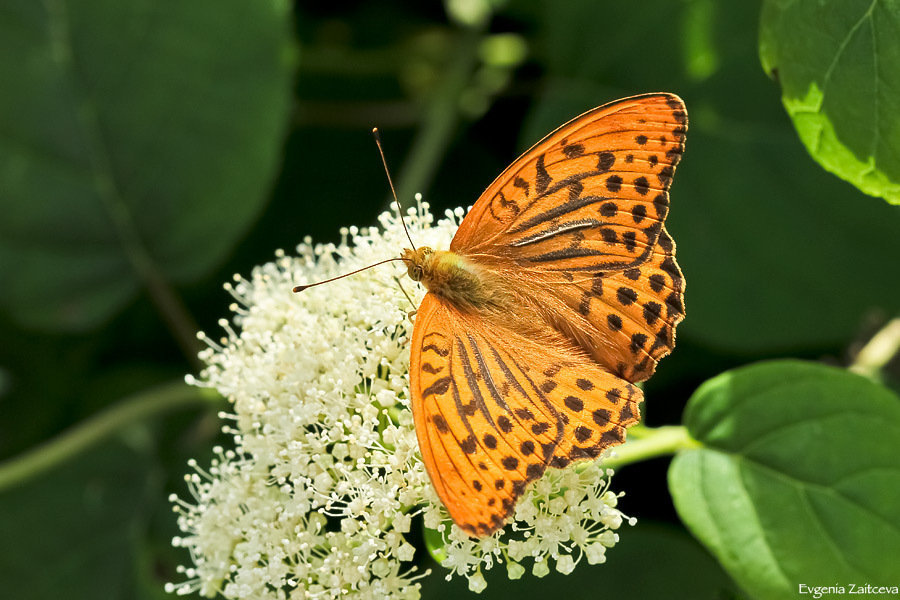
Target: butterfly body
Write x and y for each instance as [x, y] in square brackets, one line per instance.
[457, 279]
[559, 292]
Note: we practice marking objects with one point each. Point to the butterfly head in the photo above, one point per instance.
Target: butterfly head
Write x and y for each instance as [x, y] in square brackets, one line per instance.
[418, 261]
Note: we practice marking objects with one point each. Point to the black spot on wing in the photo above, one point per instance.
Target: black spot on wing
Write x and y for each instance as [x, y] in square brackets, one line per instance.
[469, 445]
[573, 150]
[614, 322]
[440, 423]
[574, 404]
[639, 213]
[652, 312]
[605, 161]
[614, 183]
[641, 186]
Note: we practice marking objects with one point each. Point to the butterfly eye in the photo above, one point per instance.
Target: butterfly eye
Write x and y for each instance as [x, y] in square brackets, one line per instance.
[415, 272]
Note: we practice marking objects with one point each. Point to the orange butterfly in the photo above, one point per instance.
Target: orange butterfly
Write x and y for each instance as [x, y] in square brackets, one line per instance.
[559, 291]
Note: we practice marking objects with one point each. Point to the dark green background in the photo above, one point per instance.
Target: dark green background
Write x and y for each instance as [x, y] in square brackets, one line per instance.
[780, 257]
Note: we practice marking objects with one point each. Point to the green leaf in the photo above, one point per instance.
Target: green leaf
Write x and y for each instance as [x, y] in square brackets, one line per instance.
[137, 143]
[799, 478]
[75, 532]
[838, 64]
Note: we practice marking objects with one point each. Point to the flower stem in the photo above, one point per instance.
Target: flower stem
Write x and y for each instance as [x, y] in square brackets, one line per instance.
[654, 442]
[97, 428]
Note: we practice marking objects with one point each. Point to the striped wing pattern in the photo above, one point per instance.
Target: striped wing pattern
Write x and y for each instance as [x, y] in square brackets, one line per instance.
[591, 196]
[495, 409]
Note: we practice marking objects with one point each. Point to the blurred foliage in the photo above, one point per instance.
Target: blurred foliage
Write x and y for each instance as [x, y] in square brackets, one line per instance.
[139, 139]
[82, 528]
[149, 150]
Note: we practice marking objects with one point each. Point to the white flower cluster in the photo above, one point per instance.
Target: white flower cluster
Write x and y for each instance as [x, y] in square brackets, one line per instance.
[317, 498]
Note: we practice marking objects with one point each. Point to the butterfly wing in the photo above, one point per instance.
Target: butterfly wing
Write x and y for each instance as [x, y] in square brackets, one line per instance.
[590, 196]
[626, 319]
[494, 409]
[581, 216]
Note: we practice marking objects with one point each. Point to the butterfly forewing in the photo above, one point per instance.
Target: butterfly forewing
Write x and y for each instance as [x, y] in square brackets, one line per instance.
[591, 196]
[494, 409]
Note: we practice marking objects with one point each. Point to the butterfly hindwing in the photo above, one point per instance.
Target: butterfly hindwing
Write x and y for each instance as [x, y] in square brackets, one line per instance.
[494, 410]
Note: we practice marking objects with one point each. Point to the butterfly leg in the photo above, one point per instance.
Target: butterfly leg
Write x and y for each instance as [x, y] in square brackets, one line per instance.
[411, 313]
[403, 289]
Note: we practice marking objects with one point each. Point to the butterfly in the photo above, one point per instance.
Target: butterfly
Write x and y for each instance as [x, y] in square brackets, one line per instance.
[559, 292]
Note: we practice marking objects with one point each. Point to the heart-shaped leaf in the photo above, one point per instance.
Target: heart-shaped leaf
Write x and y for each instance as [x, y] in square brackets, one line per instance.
[798, 480]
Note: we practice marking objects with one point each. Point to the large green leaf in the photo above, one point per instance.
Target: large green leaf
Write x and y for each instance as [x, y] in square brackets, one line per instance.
[137, 141]
[777, 254]
[838, 64]
[798, 481]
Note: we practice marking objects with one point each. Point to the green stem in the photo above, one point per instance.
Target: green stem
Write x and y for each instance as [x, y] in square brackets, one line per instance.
[639, 431]
[658, 441]
[883, 346]
[440, 119]
[97, 428]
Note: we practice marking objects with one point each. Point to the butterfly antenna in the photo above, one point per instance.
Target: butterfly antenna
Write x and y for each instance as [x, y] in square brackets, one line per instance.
[300, 288]
[393, 192]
